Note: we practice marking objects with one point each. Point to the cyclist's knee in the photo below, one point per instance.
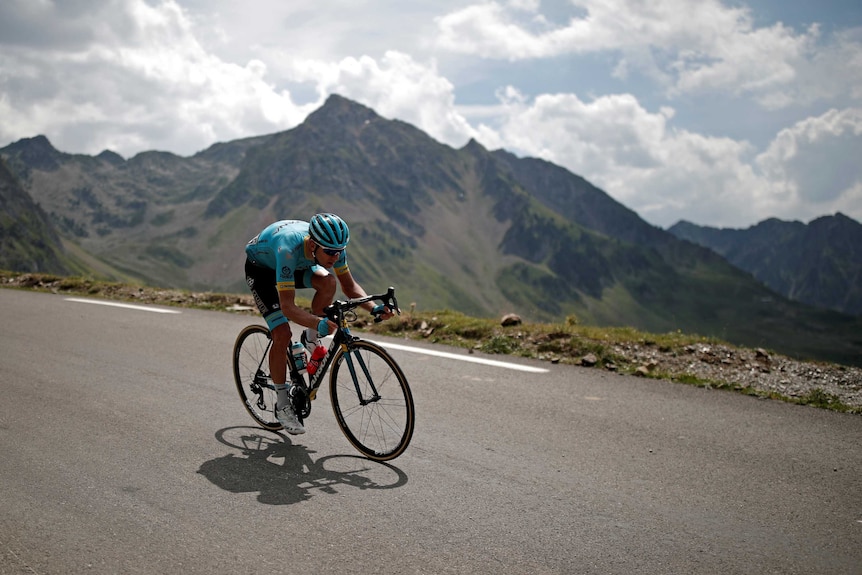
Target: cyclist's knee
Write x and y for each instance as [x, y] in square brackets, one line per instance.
[324, 284]
[281, 336]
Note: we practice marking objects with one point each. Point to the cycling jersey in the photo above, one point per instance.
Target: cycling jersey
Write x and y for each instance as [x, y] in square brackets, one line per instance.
[281, 247]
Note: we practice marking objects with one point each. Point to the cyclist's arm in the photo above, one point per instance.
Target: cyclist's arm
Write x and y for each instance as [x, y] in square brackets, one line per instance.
[296, 314]
[288, 249]
[353, 290]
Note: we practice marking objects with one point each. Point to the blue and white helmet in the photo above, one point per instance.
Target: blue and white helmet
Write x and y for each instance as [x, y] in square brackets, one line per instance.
[329, 231]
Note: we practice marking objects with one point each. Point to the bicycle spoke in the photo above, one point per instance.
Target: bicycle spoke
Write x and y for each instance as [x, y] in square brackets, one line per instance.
[371, 401]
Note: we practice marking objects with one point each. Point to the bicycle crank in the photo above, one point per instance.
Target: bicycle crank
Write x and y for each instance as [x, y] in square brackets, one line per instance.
[299, 399]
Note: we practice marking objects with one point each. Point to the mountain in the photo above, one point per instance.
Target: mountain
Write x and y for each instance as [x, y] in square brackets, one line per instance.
[819, 263]
[478, 231]
[141, 216]
[28, 240]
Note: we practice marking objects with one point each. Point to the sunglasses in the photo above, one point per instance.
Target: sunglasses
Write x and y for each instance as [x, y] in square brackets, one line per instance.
[331, 252]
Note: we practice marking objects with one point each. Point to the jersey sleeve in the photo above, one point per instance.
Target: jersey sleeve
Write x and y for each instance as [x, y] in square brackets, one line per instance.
[340, 266]
[285, 268]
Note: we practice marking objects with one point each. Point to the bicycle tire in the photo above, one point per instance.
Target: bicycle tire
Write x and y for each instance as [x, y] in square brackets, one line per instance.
[250, 368]
[380, 429]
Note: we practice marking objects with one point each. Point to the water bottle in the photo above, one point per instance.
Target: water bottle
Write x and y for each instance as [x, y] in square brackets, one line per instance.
[298, 356]
[316, 358]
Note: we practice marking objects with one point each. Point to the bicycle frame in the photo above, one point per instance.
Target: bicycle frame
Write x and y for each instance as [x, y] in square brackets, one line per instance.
[342, 338]
[337, 312]
[369, 393]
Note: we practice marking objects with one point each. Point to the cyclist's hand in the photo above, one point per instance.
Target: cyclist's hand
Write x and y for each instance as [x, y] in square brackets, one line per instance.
[381, 312]
[325, 327]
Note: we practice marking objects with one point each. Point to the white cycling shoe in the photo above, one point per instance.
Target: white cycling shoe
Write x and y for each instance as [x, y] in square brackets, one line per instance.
[287, 418]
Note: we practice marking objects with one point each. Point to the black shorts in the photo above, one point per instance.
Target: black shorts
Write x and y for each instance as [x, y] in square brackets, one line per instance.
[261, 282]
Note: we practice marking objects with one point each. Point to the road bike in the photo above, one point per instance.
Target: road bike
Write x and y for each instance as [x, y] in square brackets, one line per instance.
[369, 393]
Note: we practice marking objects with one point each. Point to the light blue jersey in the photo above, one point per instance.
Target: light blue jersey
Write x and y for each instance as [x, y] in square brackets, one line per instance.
[281, 247]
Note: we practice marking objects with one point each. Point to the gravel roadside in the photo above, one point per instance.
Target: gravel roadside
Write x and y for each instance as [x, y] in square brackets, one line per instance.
[753, 371]
[741, 368]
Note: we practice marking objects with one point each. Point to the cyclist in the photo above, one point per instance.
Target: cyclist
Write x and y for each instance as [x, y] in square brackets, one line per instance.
[289, 255]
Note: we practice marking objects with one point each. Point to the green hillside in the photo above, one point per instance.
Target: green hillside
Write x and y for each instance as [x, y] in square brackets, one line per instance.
[470, 230]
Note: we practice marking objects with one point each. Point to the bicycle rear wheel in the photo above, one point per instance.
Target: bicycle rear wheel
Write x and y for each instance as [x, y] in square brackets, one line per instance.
[251, 373]
[371, 400]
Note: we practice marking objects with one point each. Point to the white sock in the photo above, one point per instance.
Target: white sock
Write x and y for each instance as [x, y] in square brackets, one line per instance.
[282, 398]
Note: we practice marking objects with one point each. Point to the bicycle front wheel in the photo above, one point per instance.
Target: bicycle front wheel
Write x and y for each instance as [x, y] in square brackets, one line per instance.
[251, 373]
[371, 400]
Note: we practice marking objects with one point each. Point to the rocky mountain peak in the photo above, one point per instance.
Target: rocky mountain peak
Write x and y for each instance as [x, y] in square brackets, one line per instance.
[111, 157]
[340, 114]
[36, 152]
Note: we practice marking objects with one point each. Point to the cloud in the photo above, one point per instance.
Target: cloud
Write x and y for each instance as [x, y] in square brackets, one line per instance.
[666, 173]
[831, 71]
[34, 23]
[135, 78]
[598, 136]
[491, 30]
[817, 160]
[398, 87]
[687, 47]
[635, 155]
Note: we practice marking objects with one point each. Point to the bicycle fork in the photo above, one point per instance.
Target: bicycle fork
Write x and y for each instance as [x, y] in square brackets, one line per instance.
[350, 358]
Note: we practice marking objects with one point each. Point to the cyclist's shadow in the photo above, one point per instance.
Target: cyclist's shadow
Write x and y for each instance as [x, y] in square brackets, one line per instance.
[292, 481]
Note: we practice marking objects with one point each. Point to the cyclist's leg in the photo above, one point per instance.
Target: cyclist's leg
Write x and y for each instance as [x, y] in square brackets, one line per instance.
[278, 352]
[324, 286]
[323, 283]
[261, 282]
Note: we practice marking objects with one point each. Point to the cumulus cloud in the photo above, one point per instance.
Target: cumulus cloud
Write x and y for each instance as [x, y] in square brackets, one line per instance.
[690, 47]
[661, 172]
[644, 158]
[666, 173]
[133, 78]
[831, 72]
[396, 87]
[817, 161]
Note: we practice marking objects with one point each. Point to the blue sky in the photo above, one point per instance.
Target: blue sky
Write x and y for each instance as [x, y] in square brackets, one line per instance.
[723, 113]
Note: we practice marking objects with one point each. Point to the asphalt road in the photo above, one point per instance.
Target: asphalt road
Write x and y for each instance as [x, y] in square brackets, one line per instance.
[124, 449]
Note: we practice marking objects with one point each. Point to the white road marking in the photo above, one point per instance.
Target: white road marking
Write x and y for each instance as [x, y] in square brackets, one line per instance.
[471, 359]
[480, 360]
[125, 305]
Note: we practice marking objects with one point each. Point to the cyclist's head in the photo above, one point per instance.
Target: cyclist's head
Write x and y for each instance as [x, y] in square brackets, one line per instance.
[329, 231]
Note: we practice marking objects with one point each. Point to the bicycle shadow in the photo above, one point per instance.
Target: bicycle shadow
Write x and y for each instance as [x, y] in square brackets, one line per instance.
[293, 480]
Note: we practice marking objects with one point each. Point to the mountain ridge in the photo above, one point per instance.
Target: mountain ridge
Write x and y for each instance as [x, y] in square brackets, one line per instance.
[477, 231]
[819, 263]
